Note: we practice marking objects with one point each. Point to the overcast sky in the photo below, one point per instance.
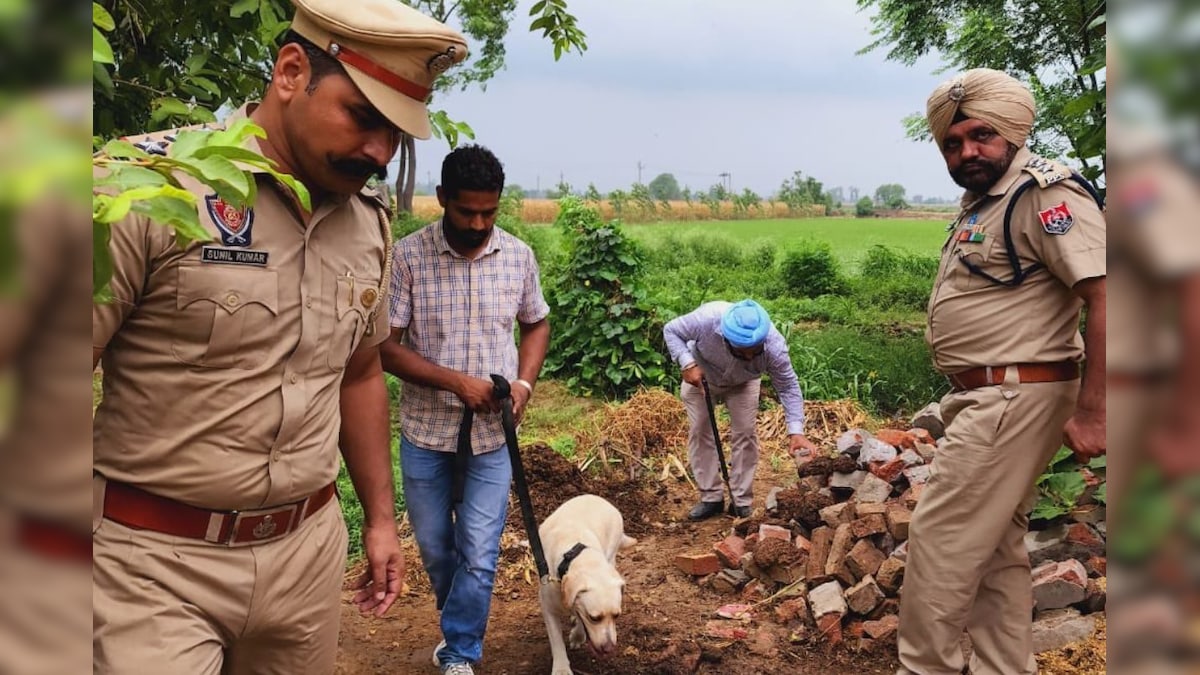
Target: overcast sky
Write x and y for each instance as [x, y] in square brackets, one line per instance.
[755, 88]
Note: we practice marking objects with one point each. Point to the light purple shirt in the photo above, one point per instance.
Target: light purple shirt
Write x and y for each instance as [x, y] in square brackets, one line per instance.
[696, 337]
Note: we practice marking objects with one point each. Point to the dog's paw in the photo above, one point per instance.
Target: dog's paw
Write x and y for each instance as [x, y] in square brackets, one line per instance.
[561, 670]
[578, 636]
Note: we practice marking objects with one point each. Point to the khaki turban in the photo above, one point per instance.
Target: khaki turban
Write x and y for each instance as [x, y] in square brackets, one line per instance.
[983, 94]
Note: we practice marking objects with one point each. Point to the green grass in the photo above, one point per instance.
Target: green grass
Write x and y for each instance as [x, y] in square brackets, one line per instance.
[850, 238]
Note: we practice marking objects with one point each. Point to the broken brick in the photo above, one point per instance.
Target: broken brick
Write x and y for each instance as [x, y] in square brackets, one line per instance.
[868, 525]
[864, 559]
[698, 564]
[898, 520]
[730, 551]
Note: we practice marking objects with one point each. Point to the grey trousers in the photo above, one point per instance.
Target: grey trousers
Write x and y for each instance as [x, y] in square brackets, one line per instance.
[742, 451]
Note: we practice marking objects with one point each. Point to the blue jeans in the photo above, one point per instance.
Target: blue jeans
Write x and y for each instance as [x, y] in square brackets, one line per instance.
[459, 543]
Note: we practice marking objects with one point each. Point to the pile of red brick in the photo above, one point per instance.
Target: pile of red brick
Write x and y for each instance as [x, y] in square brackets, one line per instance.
[830, 553]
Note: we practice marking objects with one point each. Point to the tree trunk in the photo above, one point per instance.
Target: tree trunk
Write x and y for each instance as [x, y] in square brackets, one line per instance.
[406, 176]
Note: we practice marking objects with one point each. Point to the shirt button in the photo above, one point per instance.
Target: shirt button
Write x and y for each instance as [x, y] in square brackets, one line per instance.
[231, 299]
[275, 456]
[308, 303]
[294, 378]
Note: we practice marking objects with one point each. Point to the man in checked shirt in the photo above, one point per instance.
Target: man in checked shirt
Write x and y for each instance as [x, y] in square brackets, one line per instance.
[457, 286]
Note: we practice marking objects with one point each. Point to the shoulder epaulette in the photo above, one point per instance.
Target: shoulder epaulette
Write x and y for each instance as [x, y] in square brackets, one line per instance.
[1046, 172]
[157, 142]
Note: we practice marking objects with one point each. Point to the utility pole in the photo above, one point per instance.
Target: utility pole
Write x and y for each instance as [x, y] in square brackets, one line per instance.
[726, 180]
[640, 167]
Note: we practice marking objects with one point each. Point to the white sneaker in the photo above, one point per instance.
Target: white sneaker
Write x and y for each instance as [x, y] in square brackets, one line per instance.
[451, 668]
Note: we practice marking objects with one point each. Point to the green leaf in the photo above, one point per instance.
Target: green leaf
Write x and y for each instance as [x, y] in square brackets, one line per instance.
[223, 176]
[1101, 494]
[195, 62]
[110, 209]
[206, 84]
[119, 148]
[1063, 454]
[537, 8]
[163, 107]
[237, 133]
[101, 18]
[101, 79]
[295, 186]
[101, 51]
[1100, 462]
[178, 214]
[235, 154]
[242, 7]
[126, 176]
[188, 143]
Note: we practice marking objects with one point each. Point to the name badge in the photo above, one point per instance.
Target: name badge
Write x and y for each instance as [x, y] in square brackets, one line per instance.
[233, 256]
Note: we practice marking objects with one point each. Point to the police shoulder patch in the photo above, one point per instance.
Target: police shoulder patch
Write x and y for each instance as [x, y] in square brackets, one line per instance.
[1057, 219]
[1045, 172]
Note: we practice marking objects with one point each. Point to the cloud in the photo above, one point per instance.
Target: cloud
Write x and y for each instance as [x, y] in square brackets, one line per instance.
[697, 88]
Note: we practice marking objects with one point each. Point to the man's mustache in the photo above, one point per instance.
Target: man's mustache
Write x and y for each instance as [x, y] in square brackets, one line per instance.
[359, 168]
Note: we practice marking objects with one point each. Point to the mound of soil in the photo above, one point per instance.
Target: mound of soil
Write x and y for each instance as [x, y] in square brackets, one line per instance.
[823, 466]
[772, 551]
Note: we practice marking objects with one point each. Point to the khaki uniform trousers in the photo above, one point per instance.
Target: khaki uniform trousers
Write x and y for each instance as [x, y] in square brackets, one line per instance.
[742, 455]
[166, 604]
[967, 565]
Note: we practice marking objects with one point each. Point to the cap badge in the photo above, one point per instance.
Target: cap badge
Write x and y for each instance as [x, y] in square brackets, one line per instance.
[958, 92]
[439, 63]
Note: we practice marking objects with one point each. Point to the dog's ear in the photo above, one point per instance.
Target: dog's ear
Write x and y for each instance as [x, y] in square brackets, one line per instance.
[572, 586]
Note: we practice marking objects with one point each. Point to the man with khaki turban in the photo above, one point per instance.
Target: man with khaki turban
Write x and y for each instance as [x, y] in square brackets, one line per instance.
[1026, 253]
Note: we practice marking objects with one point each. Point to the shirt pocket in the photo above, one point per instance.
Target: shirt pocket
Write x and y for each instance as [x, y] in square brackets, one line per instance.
[355, 301]
[226, 316]
[987, 255]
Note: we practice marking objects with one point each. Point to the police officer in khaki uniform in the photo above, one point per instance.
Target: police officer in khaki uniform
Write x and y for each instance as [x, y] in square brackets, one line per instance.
[236, 369]
[1026, 252]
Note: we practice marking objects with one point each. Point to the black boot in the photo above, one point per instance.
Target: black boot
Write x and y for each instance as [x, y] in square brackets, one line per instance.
[704, 510]
[740, 511]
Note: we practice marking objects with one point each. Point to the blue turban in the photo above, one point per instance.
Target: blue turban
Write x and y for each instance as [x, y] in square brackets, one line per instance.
[745, 324]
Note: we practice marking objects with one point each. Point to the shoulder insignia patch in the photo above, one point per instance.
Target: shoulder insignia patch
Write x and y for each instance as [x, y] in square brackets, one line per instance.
[1046, 172]
[1057, 219]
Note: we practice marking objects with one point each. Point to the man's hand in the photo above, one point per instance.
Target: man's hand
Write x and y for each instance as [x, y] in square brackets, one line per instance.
[801, 449]
[478, 395]
[1084, 434]
[693, 375]
[520, 399]
[381, 581]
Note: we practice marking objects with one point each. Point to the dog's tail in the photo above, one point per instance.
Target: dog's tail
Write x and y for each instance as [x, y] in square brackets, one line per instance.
[627, 541]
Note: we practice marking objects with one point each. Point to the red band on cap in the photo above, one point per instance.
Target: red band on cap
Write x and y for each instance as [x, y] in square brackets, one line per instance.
[378, 72]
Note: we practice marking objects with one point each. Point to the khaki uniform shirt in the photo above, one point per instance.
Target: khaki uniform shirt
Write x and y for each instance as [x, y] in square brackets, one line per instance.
[975, 322]
[223, 360]
[1155, 240]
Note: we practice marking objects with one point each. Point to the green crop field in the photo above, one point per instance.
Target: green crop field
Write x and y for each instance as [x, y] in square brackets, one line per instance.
[849, 237]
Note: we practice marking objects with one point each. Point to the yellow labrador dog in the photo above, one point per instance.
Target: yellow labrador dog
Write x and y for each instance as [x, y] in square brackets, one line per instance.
[581, 539]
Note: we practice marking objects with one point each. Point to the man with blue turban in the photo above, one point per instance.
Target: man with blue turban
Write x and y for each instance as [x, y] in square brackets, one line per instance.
[730, 346]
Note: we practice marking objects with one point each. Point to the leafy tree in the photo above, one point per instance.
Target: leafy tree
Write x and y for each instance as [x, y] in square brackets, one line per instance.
[745, 201]
[561, 189]
[800, 191]
[592, 194]
[864, 208]
[173, 63]
[686, 195]
[891, 195]
[1057, 46]
[613, 345]
[640, 194]
[664, 187]
[618, 198]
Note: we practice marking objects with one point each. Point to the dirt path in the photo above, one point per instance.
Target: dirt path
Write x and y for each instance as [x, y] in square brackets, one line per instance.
[661, 629]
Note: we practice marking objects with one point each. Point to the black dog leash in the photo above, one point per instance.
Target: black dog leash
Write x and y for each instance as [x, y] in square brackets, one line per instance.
[503, 391]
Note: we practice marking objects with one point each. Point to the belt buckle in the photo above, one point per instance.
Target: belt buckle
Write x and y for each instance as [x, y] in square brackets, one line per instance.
[265, 524]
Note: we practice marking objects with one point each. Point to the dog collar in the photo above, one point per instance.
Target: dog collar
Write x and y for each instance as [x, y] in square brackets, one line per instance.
[568, 558]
